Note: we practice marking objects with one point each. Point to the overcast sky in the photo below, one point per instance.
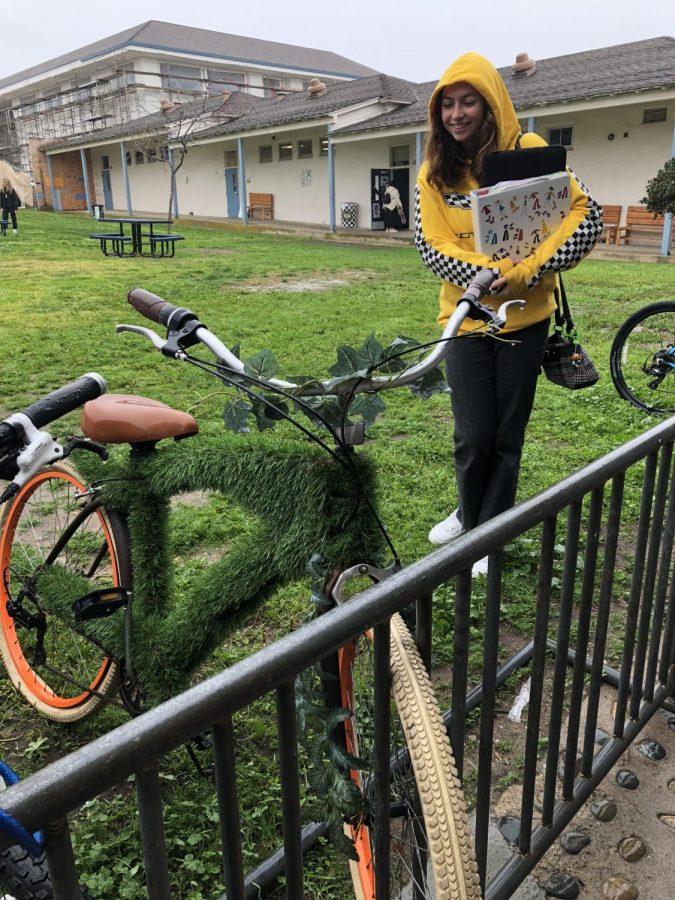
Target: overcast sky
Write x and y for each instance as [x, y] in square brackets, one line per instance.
[413, 40]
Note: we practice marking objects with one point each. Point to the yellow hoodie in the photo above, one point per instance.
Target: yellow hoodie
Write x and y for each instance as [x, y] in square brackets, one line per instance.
[444, 230]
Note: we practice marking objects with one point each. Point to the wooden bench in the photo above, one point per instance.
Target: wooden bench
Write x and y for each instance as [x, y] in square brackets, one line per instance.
[611, 218]
[642, 227]
[163, 244]
[261, 206]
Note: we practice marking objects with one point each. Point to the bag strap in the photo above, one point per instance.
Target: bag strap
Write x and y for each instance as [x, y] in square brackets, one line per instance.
[563, 316]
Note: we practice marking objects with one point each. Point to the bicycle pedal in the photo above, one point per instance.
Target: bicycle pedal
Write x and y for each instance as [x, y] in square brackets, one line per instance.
[99, 604]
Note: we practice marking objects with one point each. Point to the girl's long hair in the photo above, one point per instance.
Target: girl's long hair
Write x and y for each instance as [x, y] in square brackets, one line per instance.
[446, 157]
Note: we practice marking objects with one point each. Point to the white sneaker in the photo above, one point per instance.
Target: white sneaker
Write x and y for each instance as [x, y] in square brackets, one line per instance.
[14, 231]
[480, 567]
[447, 530]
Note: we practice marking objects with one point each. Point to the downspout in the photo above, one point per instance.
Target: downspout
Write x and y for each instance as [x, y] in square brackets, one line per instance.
[243, 197]
[668, 218]
[125, 174]
[331, 180]
[85, 173]
[50, 169]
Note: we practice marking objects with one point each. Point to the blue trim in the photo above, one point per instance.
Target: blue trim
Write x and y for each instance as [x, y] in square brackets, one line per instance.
[418, 150]
[531, 123]
[668, 218]
[85, 178]
[128, 45]
[243, 196]
[331, 182]
[174, 188]
[125, 173]
[33, 843]
[52, 189]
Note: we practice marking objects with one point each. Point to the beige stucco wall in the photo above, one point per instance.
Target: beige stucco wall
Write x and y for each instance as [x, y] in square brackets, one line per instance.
[615, 171]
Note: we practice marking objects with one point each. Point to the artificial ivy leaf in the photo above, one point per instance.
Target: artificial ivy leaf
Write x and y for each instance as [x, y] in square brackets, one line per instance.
[265, 415]
[262, 365]
[432, 383]
[316, 566]
[371, 351]
[392, 360]
[304, 383]
[236, 351]
[331, 408]
[348, 362]
[368, 406]
[235, 415]
[345, 383]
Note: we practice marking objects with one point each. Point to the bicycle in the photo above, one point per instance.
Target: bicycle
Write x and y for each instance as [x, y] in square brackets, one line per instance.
[642, 358]
[110, 534]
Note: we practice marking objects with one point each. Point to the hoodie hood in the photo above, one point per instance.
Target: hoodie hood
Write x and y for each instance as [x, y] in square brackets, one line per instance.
[482, 75]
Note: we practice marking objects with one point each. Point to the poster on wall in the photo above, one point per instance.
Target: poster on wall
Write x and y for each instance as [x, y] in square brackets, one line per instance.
[389, 199]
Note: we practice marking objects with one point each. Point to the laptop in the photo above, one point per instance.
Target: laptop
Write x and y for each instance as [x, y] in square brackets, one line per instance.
[514, 165]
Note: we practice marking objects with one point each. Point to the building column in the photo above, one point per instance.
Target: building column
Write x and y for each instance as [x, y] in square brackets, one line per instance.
[85, 173]
[174, 189]
[668, 218]
[418, 149]
[243, 194]
[531, 123]
[50, 169]
[125, 175]
[331, 182]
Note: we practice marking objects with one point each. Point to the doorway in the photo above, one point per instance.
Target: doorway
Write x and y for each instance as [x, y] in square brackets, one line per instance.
[105, 178]
[232, 191]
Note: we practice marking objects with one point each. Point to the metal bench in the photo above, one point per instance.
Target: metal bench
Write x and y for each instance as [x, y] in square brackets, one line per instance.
[117, 240]
[163, 244]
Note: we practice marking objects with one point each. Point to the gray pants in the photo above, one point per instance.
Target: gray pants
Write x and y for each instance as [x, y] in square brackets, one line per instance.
[493, 386]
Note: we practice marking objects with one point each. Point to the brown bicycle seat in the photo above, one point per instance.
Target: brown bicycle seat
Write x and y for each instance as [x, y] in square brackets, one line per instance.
[128, 419]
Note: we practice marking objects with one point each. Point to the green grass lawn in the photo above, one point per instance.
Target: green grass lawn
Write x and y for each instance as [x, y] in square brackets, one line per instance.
[59, 305]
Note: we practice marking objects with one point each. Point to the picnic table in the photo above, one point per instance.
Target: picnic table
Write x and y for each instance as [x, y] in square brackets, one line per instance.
[137, 241]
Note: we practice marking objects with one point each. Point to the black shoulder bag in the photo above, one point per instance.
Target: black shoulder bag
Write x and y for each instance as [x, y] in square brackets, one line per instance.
[565, 361]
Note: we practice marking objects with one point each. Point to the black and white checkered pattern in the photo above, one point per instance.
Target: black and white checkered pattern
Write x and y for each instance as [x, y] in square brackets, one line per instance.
[577, 245]
[349, 214]
[450, 268]
[460, 200]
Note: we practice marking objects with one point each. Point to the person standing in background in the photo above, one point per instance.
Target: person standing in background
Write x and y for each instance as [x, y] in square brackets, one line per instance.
[9, 203]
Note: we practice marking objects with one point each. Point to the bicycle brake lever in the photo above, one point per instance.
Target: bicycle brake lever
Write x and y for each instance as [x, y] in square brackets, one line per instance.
[76, 443]
[501, 316]
[148, 333]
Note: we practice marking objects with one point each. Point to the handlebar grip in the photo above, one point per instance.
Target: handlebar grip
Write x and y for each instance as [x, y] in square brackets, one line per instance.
[158, 310]
[151, 306]
[65, 399]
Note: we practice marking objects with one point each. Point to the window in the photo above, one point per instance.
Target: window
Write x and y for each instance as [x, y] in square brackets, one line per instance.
[139, 157]
[324, 147]
[285, 151]
[561, 136]
[181, 78]
[649, 116]
[305, 149]
[220, 80]
[151, 154]
[105, 162]
[399, 156]
[231, 158]
[265, 153]
[271, 86]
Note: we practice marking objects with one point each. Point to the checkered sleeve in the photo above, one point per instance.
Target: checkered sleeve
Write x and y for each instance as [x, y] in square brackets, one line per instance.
[451, 268]
[576, 245]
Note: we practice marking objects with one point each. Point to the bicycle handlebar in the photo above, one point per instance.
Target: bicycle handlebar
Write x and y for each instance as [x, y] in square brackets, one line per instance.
[56, 404]
[158, 310]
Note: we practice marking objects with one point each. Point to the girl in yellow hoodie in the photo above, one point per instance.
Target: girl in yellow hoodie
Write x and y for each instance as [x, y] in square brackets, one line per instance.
[492, 382]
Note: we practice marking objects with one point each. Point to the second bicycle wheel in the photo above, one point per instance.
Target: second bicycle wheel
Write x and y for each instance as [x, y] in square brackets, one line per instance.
[431, 854]
[642, 358]
[47, 526]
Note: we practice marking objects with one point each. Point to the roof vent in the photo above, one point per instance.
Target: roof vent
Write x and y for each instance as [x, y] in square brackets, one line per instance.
[316, 88]
[654, 115]
[523, 65]
[166, 106]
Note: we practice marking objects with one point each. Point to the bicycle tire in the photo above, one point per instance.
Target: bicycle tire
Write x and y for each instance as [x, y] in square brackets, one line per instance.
[430, 796]
[24, 878]
[636, 359]
[75, 676]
